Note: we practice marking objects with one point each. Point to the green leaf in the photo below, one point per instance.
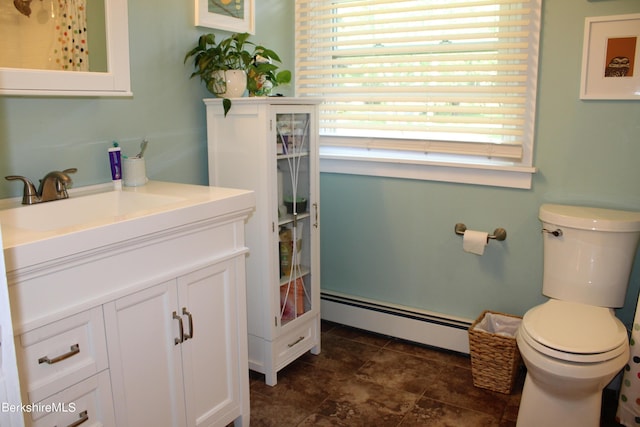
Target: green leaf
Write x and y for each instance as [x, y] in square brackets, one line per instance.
[271, 54]
[252, 85]
[265, 68]
[226, 104]
[283, 77]
[191, 53]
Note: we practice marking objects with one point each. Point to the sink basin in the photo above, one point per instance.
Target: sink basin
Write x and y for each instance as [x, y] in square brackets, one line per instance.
[83, 211]
[96, 219]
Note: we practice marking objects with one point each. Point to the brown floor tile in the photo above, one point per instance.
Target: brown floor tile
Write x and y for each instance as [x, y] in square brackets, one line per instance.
[300, 384]
[401, 371]
[317, 420]
[363, 403]
[364, 379]
[430, 353]
[341, 355]
[431, 413]
[361, 336]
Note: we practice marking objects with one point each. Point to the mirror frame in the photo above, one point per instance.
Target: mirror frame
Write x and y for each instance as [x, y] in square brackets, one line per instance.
[115, 82]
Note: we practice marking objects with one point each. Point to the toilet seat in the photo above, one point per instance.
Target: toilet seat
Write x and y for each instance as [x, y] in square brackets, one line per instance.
[574, 332]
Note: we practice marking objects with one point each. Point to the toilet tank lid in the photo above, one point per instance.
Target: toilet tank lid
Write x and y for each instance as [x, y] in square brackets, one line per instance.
[588, 218]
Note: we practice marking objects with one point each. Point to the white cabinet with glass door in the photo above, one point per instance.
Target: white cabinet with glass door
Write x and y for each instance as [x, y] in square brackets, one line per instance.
[270, 145]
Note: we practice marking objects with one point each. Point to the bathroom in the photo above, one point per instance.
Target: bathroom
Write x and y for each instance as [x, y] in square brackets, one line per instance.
[384, 239]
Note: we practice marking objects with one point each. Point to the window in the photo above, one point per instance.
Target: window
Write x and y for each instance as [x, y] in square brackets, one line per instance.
[423, 86]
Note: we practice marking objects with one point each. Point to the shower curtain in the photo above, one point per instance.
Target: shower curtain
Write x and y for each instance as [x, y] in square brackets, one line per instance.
[70, 50]
[629, 402]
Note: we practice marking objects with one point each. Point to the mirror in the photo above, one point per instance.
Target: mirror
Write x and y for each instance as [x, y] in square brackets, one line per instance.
[103, 71]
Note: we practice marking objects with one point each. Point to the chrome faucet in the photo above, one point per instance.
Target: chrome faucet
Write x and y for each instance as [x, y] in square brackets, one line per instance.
[52, 187]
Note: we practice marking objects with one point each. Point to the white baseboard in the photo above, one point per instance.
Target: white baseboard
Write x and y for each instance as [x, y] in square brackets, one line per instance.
[423, 327]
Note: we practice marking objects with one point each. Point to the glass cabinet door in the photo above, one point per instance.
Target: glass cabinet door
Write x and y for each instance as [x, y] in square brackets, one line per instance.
[295, 214]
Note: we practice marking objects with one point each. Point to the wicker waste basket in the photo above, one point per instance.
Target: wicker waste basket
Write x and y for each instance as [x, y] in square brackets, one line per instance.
[495, 358]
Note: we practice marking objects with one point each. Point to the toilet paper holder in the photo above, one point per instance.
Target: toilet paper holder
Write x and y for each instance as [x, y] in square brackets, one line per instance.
[498, 234]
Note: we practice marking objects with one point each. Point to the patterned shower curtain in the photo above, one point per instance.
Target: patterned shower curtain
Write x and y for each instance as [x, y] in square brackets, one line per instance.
[70, 50]
[629, 402]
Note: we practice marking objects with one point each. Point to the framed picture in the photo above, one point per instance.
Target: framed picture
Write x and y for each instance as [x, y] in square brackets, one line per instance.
[230, 15]
[611, 58]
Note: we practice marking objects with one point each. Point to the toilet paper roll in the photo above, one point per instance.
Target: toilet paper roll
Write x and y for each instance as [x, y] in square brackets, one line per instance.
[474, 241]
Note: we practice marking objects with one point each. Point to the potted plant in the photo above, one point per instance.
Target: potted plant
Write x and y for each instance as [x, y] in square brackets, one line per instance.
[262, 73]
[214, 63]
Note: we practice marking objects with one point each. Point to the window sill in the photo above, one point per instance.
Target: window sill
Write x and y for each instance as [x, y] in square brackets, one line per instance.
[428, 167]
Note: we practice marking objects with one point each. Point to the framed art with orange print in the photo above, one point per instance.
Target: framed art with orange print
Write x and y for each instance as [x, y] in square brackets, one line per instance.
[611, 58]
[229, 15]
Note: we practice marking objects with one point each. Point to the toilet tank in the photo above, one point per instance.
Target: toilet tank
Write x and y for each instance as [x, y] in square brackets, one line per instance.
[588, 253]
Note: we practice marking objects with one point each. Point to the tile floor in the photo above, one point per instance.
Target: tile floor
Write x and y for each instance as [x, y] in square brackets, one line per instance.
[365, 379]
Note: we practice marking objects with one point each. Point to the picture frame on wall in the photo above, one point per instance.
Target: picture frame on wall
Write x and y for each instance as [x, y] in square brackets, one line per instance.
[611, 57]
[229, 15]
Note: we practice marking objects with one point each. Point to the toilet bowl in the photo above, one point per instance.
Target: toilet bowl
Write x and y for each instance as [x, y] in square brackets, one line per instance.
[573, 345]
[572, 351]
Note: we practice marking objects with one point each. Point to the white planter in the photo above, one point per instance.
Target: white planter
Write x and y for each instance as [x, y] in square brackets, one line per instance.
[230, 83]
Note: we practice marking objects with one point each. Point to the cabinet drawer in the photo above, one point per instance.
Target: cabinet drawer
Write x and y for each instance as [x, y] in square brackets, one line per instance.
[60, 354]
[87, 403]
[296, 342]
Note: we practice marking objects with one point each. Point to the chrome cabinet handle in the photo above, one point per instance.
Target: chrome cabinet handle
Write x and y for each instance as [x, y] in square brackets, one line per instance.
[190, 317]
[556, 232]
[296, 341]
[84, 417]
[179, 319]
[73, 350]
[315, 208]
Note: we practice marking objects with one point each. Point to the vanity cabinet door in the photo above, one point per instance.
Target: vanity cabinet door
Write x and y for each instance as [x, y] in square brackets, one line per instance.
[144, 358]
[176, 349]
[210, 354]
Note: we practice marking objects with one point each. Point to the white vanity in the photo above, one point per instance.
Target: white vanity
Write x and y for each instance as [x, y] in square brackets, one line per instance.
[129, 308]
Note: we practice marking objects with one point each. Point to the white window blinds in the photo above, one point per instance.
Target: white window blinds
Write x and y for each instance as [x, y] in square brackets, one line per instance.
[443, 76]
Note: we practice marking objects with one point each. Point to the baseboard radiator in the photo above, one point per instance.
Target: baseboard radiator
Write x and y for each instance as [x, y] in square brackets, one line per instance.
[419, 326]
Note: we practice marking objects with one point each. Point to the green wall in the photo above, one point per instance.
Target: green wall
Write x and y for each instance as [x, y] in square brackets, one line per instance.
[386, 239]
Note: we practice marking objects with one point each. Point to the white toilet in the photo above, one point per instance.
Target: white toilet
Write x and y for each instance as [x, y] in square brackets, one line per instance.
[573, 345]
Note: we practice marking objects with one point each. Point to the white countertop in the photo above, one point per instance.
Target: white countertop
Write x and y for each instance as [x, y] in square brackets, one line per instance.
[182, 204]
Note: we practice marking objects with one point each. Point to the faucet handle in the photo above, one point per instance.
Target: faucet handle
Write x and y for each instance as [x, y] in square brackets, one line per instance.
[61, 184]
[29, 192]
[54, 185]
